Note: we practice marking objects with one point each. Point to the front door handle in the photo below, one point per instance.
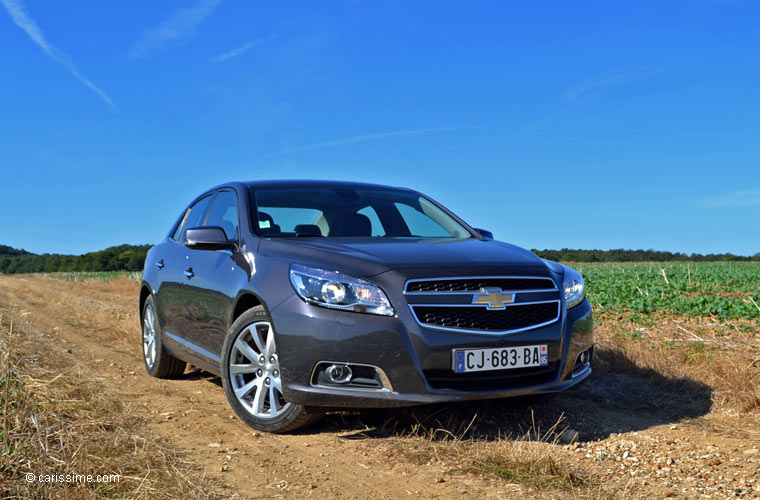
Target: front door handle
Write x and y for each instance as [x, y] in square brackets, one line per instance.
[160, 264]
[189, 272]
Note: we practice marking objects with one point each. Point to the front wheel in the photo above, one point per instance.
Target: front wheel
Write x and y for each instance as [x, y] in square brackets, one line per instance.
[251, 376]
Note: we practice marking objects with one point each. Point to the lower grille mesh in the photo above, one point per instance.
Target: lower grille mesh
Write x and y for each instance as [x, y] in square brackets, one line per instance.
[498, 380]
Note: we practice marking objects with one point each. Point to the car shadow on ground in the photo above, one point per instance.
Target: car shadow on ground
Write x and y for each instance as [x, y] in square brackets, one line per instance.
[618, 397]
[198, 374]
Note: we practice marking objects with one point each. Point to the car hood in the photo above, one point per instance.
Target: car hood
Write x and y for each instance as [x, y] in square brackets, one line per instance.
[367, 257]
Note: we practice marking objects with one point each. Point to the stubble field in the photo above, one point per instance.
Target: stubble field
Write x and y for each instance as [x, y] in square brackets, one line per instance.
[671, 410]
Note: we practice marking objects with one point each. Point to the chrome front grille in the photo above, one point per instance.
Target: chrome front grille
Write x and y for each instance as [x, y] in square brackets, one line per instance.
[465, 304]
[474, 284]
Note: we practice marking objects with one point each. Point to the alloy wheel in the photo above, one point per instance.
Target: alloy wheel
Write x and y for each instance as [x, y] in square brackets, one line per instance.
[149, 337]
[255, 372]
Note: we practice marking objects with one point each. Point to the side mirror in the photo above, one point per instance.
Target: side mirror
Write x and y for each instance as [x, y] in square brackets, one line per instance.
[484, 233]
[208, 238]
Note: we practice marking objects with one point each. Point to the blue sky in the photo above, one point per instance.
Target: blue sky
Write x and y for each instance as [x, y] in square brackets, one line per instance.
[552, 123]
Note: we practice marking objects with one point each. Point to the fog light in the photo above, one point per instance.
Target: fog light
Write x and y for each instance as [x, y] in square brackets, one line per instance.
[582, 362]
[583, 357]
[339, 374]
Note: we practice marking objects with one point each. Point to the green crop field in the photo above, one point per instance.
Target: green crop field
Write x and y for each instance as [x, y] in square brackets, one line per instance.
[724, 290]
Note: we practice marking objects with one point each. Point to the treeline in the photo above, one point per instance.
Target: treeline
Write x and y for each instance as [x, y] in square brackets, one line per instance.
[118, 258]
[132, 258]
[621, 255]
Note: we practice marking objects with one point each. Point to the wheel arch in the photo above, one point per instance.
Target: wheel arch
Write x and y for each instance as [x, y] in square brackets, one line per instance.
[145, 292]
[244, 301]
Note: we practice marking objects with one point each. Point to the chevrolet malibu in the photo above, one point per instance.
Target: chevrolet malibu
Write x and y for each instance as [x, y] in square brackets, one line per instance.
[307, 295]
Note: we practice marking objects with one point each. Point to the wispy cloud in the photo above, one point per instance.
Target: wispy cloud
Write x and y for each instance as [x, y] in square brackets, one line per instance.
[24, 21]
[244, 48]
[580, 90]
[745, 198]
[181, 24]
[606, 80]
[364, 138]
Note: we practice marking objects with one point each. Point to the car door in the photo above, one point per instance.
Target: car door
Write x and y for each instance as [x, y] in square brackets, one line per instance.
[215, 282]
[168, 282]
[172, 298]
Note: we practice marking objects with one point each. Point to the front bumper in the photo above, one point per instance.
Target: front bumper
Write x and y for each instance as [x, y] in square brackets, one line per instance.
[416, 359]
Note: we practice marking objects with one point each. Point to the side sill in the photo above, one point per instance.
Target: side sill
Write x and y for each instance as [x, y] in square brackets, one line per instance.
[193, 354]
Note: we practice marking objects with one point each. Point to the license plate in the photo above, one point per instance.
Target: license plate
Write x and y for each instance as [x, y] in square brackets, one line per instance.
[503, 358]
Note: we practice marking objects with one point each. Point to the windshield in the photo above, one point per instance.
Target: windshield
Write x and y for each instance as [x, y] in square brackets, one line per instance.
[351, 212]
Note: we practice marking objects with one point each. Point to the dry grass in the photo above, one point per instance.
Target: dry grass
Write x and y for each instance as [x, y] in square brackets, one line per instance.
[57, 420]
[726, 359]
[530, 459]
[97, 305]
[679, 364]
[106, 276]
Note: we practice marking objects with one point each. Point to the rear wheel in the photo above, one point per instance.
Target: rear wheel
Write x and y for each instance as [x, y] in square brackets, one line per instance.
[252, 379]
[158, 362]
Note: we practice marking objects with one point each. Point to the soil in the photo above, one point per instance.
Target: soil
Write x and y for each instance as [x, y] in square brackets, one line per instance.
[640, 434]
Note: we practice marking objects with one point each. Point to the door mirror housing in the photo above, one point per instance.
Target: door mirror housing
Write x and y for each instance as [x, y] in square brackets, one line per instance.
[208, 238]
[484, 233]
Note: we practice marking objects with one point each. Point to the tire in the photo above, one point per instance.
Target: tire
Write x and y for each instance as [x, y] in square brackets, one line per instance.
[158, 362]
[251, 377]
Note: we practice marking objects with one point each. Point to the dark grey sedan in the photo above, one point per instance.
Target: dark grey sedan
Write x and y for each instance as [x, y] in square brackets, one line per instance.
[307, 295]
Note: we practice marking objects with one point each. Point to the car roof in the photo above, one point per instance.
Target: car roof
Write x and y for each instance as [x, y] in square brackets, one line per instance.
[306, 183]
[297, 183]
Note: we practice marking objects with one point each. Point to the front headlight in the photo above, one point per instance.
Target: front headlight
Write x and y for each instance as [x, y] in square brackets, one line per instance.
[575, 290]
[338, 291]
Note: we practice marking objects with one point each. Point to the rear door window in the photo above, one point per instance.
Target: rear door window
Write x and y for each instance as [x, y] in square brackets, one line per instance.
[285, 219]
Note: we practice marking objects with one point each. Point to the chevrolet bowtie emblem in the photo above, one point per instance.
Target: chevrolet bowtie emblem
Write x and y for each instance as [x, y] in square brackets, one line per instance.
[493, 298]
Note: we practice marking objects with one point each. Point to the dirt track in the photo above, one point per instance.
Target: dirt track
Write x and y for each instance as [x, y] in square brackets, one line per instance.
[677, 432]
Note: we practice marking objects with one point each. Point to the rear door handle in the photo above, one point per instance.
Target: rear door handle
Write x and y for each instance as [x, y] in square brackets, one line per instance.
[189, 272]
[160, 264]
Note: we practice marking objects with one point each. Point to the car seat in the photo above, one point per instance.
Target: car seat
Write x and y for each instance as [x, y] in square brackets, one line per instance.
[353, 225]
